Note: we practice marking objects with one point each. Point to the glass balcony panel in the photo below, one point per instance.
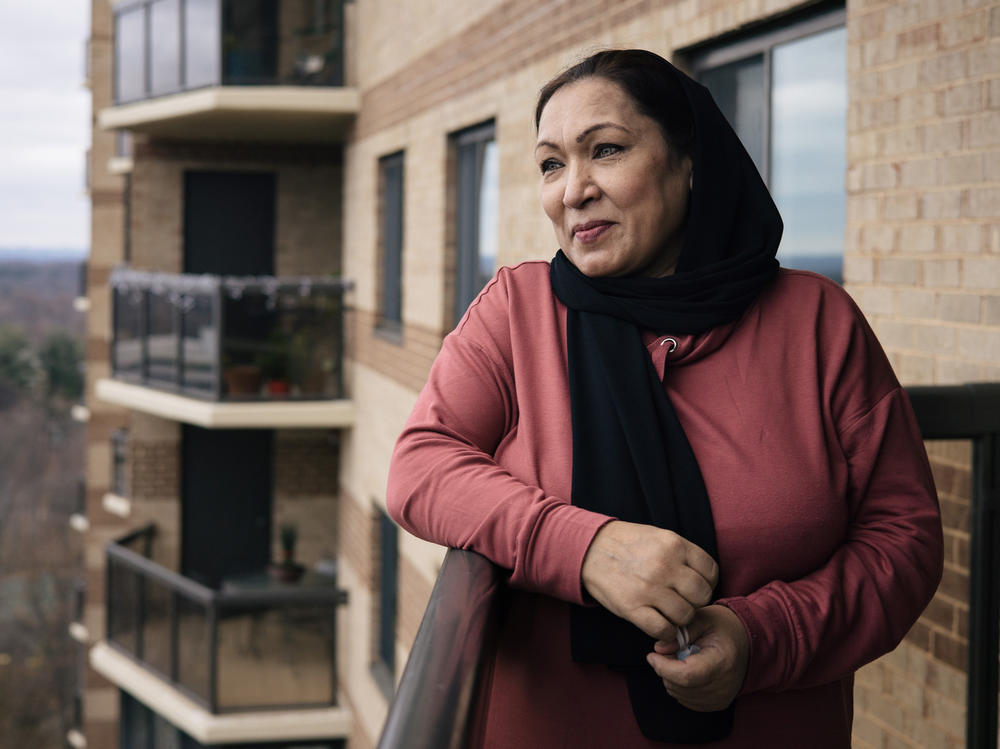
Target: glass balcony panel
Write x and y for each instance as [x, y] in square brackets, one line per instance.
[202, 40]
[276, 339]
[130, 54]
[156, 625]
[193, 647]
[250, 31]
[291, 644]
[165, 47]
[123, 595]
[162, 341]
[200, 345]
[128, 332]
[309, 42]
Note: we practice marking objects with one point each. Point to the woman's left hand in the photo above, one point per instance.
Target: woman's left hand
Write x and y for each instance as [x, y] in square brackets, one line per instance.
[711, 678]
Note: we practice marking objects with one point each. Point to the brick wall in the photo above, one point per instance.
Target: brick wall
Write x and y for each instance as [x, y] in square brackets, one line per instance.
[922, 257]
[308, 197]
[922, 244]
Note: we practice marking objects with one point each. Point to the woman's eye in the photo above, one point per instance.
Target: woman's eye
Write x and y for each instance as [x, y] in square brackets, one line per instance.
[606, 149]
[548, 165]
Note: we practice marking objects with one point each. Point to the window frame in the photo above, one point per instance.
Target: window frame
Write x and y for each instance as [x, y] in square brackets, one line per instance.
[758, 44]
[762, 42]
[390, 225]
[465, 223]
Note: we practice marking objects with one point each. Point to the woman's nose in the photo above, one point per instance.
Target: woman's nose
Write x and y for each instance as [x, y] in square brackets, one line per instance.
[580, 187]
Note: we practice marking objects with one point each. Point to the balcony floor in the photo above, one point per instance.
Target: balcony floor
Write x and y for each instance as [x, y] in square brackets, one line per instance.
[244, 415]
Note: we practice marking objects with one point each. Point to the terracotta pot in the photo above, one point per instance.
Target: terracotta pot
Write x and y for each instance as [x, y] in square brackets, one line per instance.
[242, 379]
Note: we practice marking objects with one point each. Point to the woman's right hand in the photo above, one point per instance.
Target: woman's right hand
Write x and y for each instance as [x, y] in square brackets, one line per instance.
[652, 577]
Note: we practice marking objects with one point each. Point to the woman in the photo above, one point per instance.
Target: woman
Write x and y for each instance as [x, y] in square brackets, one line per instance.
[660, 433]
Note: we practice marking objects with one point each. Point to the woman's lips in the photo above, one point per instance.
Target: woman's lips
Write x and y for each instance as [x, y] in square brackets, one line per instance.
[591, 231]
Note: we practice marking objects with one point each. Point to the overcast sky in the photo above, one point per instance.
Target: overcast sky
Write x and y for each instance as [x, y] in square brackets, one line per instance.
[44, 125]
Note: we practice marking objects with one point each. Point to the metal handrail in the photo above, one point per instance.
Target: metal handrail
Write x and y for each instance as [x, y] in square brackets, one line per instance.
[438, 703]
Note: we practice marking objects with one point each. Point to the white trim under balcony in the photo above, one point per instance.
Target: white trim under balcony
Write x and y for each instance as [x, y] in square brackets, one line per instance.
[232, 415]
[208, 728]
[305, 114]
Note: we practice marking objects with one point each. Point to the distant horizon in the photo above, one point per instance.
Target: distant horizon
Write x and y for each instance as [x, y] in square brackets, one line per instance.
[44, 253]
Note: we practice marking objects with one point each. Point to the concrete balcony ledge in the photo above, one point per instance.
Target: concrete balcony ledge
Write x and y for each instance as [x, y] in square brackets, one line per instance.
[278, 414]
[174, 706]
[315, 114]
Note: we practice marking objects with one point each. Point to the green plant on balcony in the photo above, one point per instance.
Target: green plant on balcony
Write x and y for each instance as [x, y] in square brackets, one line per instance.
[287, 570]
[274, 363]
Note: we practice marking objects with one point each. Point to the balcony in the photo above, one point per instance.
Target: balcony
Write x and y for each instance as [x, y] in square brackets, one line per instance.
[228, 351]
[231, 70]
[252, 660]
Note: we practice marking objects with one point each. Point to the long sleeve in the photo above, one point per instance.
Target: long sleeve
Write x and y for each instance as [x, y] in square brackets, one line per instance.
[860, 603]
[445, 484]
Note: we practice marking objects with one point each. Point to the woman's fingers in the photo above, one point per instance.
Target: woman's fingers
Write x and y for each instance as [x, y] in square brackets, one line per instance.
[653, 623]
[711, 678]
[634, 570]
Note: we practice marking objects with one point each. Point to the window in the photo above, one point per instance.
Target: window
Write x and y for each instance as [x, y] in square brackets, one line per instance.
[476, 204]
[119, 462]
[785, 94]
[390, 302]
[384, 666]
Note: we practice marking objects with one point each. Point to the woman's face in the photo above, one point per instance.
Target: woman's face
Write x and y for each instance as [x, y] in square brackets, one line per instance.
[617, 203]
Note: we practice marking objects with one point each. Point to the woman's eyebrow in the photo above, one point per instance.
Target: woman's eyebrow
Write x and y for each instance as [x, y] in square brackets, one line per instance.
[585, 133]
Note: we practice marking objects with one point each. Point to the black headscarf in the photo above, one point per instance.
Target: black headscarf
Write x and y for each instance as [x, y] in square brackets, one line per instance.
[631, 458]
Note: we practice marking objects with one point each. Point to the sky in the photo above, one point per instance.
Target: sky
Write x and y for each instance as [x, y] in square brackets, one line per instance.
[44, 125]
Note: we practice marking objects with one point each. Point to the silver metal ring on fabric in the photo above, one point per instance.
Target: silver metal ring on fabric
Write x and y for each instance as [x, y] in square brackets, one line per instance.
[673, 344]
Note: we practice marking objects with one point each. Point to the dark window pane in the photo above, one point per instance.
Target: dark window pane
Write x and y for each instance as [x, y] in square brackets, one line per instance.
[392, 239]
[165, 47]
[251, 49]
[808, 149]
[388, 561]
[738, 89]
[130, 55]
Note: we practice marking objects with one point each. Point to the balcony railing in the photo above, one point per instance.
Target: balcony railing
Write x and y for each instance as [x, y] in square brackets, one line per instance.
[229, 338]
[457, 637]
[253, 644]
[168, 46]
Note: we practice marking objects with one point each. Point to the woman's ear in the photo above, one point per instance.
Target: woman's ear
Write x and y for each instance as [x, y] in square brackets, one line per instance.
[691, 180]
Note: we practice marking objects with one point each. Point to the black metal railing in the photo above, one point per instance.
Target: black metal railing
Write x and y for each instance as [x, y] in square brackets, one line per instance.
[228, 337]
[254, 643]
[972, 412]
[168, 46]
[438, 699]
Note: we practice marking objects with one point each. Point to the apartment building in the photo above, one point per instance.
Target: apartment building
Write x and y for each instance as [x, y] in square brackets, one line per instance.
[294, 201]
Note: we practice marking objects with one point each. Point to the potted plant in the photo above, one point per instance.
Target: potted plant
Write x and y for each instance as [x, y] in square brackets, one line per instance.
[274, 365]
[287, 570]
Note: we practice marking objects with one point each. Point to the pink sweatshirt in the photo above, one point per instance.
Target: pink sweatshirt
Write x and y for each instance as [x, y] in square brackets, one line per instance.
[826, 515]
